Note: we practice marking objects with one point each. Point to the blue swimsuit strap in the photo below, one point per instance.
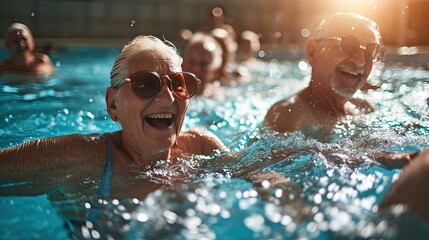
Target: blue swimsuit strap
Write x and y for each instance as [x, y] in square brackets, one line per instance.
[105, 184]
[104, 190]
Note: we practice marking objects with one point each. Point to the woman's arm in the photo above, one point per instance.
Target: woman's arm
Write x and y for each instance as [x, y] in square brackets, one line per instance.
[48, 154]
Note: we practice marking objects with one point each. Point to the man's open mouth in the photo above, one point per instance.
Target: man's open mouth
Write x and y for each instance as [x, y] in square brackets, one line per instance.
[160, 120]
[350, 71]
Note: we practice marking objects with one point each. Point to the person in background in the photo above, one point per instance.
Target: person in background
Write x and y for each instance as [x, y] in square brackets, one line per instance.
[20, 43]
[341, 53]
[248, 47]
[149, 96]
[203, 57]
[229, 48]
[182, 39]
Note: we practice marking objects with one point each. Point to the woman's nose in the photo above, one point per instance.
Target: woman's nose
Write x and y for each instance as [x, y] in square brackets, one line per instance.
[165, 95]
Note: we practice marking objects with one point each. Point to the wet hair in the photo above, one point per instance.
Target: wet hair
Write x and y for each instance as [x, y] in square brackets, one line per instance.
[342, 17]
[210, 44]
[142, 44]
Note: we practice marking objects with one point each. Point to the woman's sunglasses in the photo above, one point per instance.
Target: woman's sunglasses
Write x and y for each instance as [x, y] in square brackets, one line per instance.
[350, 45]
[146, 84]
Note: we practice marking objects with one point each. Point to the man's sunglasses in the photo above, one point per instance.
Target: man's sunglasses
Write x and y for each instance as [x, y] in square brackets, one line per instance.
[146, 84]
[350, 45]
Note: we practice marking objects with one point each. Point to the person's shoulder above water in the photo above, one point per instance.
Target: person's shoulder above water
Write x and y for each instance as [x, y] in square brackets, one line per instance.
[37, 65]
[199, 141]
[289, 114]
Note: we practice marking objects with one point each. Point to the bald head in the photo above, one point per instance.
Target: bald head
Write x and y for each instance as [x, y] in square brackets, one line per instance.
[19, 38]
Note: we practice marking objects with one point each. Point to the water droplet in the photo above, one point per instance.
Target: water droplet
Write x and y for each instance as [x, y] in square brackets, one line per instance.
[32, 14]
[142, 217]
[255, 222]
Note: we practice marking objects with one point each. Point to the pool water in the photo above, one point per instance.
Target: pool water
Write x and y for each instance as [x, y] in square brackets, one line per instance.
[332, 189]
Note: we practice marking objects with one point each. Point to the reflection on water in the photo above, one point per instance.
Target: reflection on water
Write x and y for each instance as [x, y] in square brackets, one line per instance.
[314, 184]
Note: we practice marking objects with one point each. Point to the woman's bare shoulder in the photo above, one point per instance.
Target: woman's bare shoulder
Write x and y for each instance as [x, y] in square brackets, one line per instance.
[199, 141]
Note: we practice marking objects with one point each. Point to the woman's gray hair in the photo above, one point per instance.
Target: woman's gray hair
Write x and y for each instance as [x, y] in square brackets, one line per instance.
[137, 45]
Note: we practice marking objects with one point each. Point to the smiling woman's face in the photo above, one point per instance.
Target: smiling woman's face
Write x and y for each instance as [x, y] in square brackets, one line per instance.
[152, 124]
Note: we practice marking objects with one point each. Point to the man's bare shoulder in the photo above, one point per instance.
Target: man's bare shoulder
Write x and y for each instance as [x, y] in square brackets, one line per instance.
[286, 115]
[42, 58]
[43, 64]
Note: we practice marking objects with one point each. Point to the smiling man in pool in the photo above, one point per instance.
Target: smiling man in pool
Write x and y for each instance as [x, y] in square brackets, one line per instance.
[149, 95]
[341, 53]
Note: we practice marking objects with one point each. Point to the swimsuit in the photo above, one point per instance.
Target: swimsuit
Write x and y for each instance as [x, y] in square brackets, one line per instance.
[104, 191]
[105, 184]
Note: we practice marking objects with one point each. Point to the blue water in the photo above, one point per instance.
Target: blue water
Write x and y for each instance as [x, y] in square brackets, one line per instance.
[333, 188]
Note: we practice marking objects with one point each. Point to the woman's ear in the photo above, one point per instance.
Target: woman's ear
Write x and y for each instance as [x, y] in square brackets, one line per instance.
[311, 51]
[110, 103]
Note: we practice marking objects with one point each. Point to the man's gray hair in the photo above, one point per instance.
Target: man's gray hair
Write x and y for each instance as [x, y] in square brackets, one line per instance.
[345, 17]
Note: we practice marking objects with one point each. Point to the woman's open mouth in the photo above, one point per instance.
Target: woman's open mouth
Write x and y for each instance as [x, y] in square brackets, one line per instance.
[160, 120]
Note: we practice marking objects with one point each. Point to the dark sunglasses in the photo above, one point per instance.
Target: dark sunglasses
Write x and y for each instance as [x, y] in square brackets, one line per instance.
[146, 84]
[350, 45]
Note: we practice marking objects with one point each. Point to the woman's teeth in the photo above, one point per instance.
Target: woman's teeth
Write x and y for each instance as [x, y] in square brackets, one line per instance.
[160, 120]
[160, 115]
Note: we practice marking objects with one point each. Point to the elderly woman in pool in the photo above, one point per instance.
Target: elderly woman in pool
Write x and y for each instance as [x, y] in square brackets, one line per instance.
[148, 96]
